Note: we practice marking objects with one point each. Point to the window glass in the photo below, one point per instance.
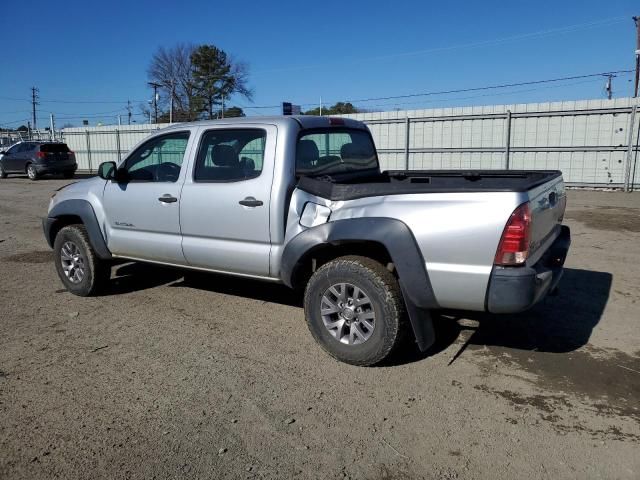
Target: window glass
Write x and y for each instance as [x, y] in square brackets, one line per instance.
[160, 159]
[25, 147]
[54, 148]
[332, 151]
[14, 149]
[230, 155]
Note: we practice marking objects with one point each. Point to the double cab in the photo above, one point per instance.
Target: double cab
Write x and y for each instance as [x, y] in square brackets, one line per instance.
[301, 200]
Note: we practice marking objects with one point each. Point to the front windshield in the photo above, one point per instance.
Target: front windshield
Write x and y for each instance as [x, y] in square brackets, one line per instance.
[331, 151]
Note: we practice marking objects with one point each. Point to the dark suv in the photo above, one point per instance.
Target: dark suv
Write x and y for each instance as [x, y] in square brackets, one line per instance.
[38, 158]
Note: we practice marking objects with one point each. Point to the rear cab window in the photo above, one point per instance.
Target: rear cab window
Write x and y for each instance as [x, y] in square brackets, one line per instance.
[334, 151]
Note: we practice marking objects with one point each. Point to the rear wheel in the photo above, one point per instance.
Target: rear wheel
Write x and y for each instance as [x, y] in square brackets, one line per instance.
[68, 174]
[355, 311]
[77, 264]
[32, 173]
[3, 172]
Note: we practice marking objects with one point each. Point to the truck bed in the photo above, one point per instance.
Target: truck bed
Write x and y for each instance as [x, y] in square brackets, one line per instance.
[391, 182]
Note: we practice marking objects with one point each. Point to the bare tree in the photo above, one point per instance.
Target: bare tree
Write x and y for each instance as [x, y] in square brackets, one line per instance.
[172, 68]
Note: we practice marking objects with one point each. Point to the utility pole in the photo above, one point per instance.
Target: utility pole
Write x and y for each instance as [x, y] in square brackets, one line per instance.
[173, 91]
[320, 105]
[222, 112]
[608, 87]
[155, 87]
[129, 108]
[53, 127]
[34, 102]
[637, 21]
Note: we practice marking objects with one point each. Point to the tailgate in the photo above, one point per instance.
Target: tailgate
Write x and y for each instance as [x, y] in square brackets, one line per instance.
[547, 203]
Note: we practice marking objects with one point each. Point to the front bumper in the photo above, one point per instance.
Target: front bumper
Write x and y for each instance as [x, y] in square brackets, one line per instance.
[515, 289]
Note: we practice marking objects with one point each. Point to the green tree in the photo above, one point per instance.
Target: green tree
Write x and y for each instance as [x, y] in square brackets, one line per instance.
[233, 112]
[337, 109]
[216, 76]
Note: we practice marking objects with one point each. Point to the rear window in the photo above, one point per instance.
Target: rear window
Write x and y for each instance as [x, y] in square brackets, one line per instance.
[54, 148]
[332, 150]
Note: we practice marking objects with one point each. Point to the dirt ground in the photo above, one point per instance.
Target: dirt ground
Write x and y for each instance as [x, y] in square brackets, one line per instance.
[214, 377]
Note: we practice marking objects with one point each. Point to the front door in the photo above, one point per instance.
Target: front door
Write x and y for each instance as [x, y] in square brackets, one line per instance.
[143, 212]
[224, 211]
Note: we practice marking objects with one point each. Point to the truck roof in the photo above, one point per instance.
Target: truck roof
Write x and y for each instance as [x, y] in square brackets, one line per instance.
[304, 121]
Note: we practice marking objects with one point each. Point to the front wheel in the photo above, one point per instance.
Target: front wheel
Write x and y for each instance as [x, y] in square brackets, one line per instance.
[3, 172]
[77, 264]
[68, 174]
[32, 173]
[355, 311]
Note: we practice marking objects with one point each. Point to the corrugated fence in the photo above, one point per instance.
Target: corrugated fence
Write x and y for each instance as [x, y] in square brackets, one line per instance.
[593, 142]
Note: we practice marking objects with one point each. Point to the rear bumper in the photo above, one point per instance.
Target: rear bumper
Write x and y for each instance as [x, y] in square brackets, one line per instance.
[43, 168]
[515, 289]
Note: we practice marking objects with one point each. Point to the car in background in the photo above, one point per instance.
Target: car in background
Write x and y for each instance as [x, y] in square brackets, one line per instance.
[37, 158]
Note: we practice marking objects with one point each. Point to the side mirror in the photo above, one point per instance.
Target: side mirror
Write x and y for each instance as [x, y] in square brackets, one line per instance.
[107, 170]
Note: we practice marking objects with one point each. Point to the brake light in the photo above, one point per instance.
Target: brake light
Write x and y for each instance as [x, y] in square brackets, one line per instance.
[513, 249]
[41, 154]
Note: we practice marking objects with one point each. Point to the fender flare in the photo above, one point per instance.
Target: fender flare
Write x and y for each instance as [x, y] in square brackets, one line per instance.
[84, 210]
[405, 254]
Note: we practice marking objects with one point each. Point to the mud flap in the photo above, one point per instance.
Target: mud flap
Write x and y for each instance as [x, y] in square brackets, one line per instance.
[421, 323]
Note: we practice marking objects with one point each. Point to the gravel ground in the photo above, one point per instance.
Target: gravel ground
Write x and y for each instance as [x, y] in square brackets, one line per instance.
[214, 377]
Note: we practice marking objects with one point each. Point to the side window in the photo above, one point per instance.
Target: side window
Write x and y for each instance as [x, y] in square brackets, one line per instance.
[25, 147]
[158, 160]
[230, 155]
[15, 148]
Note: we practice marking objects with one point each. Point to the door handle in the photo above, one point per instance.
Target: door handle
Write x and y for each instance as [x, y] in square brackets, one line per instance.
[251, 202]
[167, 198]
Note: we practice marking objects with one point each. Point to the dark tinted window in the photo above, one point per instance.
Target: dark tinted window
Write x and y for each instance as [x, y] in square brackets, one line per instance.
[54, 148]
[25, 147]
[331, 151]
[230, 155]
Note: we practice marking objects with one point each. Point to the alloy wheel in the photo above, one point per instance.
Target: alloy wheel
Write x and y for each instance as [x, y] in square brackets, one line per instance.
[347, 313]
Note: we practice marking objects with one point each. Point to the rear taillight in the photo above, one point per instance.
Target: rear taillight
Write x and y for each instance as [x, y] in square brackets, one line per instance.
[41, 154]
[513, 249]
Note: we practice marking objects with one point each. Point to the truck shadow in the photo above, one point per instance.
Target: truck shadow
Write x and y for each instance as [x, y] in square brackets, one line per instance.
[559, 324]
[133, 276]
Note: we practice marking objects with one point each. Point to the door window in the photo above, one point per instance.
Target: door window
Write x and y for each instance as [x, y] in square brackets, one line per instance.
[25, 147]
[159, 159]
[230, 155]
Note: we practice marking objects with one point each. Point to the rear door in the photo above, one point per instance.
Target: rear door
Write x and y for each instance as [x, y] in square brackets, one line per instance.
[57, 154]
[143, 213]
[224, 212]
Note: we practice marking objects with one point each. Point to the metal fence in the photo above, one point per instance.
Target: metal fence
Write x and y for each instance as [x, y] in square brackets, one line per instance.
[593, 142]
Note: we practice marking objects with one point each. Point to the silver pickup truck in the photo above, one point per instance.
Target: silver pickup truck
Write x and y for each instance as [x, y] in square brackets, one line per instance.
[302, 201]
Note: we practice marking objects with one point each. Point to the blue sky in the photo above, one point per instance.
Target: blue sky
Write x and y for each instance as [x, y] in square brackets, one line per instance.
[300, 51]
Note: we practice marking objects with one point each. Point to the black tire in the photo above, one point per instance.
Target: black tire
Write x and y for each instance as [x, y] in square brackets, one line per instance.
[383, 291]
[96, 272]
[3, 173]
[68, 174]
[31, 171]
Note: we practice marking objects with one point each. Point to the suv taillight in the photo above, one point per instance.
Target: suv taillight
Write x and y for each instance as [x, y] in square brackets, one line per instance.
[41, 154]
[513, 249]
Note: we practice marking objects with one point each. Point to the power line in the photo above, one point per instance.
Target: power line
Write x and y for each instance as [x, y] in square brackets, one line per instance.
[483, 43]
[476, 89]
